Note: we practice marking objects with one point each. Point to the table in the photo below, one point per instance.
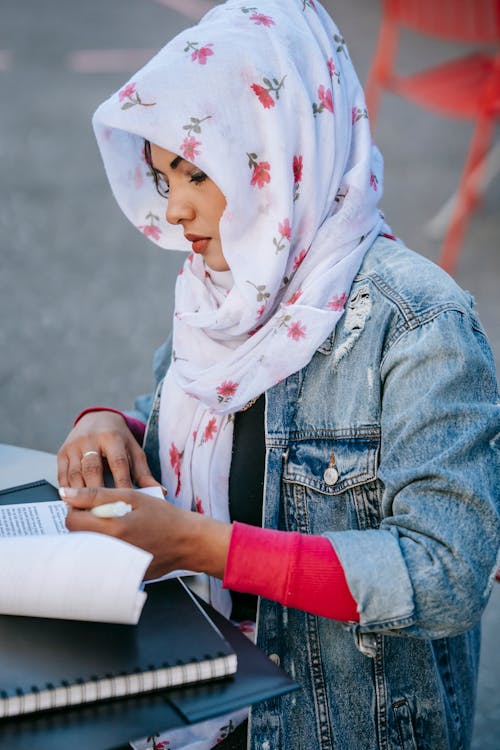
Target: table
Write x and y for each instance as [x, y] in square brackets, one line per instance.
[110, 724]
[22, 465]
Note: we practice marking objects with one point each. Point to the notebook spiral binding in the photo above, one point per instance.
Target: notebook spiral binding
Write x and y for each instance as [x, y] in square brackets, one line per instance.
[93, 690]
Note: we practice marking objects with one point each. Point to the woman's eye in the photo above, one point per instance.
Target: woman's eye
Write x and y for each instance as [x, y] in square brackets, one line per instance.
[161, 185]
[198, 177]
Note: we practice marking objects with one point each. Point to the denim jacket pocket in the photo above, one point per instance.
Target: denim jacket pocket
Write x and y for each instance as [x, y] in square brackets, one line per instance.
[332, 464]
[329, 482]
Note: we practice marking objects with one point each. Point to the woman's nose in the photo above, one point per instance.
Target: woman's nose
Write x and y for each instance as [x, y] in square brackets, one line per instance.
[178, 208]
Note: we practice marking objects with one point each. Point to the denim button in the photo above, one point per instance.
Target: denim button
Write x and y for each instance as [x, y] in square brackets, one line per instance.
[275, 659]
[331, 475]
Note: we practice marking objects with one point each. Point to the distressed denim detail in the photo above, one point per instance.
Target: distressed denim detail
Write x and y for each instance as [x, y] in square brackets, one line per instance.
[404, 395]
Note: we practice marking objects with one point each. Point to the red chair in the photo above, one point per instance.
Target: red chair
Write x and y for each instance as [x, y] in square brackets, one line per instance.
[465, 87]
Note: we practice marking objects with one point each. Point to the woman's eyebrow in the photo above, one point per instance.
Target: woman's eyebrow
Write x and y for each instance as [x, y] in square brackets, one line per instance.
[175, 162]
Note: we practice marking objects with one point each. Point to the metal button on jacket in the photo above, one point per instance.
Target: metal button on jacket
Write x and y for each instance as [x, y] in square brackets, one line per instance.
[331, 474]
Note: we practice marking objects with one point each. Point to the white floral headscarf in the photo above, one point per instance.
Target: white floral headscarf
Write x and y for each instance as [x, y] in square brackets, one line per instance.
[263, 97]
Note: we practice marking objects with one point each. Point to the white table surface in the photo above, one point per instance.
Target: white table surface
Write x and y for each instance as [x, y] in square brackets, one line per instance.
[23, 465]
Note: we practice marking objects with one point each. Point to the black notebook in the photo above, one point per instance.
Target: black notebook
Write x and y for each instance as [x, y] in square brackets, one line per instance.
[110, 724]
[48, 663]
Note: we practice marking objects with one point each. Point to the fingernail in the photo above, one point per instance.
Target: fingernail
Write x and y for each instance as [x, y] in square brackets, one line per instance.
[67, 492]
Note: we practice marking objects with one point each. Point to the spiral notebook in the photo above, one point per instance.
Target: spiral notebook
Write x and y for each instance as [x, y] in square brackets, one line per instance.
[49, 663]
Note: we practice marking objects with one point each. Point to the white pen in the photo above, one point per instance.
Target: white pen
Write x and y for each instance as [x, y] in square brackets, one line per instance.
[111, 510]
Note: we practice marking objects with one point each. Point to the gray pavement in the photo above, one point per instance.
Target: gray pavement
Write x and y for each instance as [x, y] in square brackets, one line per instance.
[84, 299]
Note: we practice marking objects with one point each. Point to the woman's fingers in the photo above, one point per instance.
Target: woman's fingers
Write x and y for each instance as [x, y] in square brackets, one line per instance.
[117, 455]
[75, 476]
[86, 498]
[97, 438]
[62, 468]
[81, 500]
[91, 469]
[140, 469]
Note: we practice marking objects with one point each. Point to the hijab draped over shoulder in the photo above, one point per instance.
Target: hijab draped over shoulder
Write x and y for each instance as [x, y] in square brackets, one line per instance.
[262, 96]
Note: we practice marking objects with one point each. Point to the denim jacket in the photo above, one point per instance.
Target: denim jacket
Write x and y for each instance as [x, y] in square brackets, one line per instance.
[401, 400]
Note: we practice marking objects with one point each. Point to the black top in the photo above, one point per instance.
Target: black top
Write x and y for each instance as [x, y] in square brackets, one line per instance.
[246, 485]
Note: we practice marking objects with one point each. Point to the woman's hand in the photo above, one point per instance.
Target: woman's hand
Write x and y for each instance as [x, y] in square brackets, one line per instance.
[177, 539]
[99, 436]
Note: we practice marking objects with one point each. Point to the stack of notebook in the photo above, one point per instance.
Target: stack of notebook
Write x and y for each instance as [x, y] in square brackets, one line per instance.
[74, 683]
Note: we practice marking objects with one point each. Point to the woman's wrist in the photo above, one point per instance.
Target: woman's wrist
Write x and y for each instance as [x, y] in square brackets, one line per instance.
[92, 409]
[206, 545]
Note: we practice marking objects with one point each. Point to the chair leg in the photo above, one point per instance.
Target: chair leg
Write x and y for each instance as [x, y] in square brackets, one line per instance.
[382, 68]
[469, 189]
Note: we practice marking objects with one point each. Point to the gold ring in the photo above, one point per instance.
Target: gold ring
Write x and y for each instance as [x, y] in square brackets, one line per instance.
[89, 453]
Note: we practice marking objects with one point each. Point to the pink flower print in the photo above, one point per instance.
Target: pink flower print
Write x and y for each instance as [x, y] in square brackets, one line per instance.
[190, 148]
[297, 175]
[337, 302]
[297, 168]
[285, 232]
[199, 54]
[261, 171]
[298, 259]
[284, 229]
[130, 97]
[261, 20]
[175, 463]
[151, 230]
[296, 330]
[373, 181]
[261, 174]
[226, 390]
[325, 97]
[260, 312]
[263, 95]
[127, 92]
[295, 296]
[210, 430]
[199, 509]
[334, 73]
[325, 101]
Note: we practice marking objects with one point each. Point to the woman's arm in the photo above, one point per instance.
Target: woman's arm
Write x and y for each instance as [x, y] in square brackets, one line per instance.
[297, 570]
[428, 567]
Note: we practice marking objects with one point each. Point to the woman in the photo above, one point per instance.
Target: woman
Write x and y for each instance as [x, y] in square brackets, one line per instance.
[323, 382]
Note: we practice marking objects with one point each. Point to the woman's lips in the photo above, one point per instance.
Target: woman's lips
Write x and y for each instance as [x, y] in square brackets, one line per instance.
[199, 244]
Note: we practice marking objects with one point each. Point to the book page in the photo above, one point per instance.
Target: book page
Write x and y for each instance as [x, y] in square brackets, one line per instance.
[80, 576]
[32, 519]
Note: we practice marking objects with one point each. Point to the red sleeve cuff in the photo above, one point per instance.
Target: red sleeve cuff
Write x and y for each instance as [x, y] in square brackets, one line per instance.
[294, 569]
[136, 426]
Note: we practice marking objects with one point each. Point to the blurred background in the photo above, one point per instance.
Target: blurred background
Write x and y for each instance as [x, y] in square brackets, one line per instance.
[85, 299]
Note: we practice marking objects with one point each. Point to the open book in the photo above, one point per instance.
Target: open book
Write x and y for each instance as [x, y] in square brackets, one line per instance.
[80, 576]
[52, 580]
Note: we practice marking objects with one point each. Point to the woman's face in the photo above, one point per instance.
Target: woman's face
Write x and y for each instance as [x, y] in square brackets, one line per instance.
[194, 201]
